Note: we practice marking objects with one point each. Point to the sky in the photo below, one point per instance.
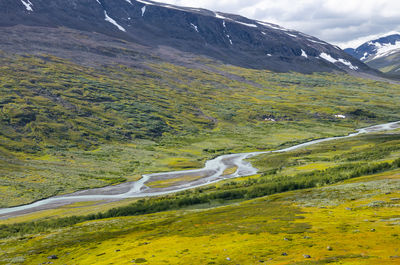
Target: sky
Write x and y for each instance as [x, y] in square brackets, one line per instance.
[346, 23]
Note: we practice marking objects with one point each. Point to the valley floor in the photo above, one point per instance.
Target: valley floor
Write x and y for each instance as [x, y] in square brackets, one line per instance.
[342, 219]
[354, 222]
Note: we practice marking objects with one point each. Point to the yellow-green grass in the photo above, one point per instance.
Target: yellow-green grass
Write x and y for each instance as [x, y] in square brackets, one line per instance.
[359, 229]
[229, 171]
[172, 181]
[388, 68]
[382, 147]
[180, 163]
[238, 179]
[313, 166]
[134, 177]
[395, 174]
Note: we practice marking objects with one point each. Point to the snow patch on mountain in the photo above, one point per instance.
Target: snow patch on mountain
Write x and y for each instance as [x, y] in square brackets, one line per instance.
[217, 15]
[196, 28]
[386, 49]
[112, 21]
[247, 24]
[330, 59]
[327, 57]
[174, 7]
[229, 38]
[129, 1]
[365, 56]
[143, 10]
[227, 35]
[162, 5]
[145, 2]
[347, 63]
[273, 26]
[28, 5]
[318, 42]
[303, 53]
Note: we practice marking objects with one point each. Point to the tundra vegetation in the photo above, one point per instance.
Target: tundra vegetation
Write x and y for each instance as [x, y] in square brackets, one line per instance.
[66, 127]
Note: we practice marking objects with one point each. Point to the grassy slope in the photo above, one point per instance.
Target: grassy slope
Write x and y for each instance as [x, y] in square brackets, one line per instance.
[357, 218]
[389, 64]
[66, 127]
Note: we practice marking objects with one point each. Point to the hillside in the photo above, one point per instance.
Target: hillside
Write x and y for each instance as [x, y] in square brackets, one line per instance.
[124, 32]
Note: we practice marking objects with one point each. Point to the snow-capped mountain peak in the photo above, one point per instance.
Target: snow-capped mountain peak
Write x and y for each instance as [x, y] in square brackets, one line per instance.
[382, 53]
[374, 49]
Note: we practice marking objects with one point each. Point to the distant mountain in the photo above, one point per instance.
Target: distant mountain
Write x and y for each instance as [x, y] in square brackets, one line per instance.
[382, 53]
[128, 30]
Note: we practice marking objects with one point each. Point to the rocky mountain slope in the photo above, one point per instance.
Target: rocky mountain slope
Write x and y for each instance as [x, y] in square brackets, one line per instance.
[382, 53]
[125, 30]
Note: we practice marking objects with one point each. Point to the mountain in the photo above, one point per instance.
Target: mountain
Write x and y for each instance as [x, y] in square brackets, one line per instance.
[382, 53]
[124, 31]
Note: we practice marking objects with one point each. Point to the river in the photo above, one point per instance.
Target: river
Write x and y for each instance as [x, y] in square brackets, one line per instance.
[212, 172]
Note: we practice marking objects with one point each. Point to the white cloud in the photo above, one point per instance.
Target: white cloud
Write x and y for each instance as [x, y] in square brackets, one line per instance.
[342, 22]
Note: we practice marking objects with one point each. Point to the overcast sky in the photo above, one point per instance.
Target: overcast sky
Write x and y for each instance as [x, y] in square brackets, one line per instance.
[347, 23]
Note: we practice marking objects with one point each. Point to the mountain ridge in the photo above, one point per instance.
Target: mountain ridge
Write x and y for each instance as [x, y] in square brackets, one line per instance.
[229, 38]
